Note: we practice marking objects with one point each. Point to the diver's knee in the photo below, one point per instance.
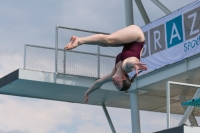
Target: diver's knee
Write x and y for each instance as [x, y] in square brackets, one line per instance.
[110, 39]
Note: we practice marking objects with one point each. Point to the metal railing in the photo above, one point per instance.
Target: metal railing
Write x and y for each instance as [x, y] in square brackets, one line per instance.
[39, 58]
[102, 59]
[85, 60]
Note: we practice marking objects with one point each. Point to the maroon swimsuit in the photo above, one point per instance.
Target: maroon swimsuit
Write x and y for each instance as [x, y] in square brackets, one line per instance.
[130, 50]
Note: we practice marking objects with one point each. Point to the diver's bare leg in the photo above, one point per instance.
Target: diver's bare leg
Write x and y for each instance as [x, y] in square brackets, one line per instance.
[125, 35]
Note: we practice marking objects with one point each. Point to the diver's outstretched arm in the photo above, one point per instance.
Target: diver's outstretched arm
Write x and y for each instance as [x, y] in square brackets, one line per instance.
[97, 84]
[126, 35]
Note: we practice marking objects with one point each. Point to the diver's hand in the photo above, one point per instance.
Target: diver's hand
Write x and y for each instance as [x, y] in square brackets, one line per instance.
[86, 98]
[139, 66]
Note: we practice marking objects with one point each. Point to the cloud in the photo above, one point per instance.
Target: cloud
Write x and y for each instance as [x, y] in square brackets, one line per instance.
[90, 127]
[13, 131]
[33, 115]
[62, 132]
[149, 121]
[175, 5]
[90, 15]
[89, 113]
[10, 62]
[92, 116]
[152, 121]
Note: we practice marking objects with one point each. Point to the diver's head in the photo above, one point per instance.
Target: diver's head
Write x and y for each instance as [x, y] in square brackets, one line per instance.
[122, 82]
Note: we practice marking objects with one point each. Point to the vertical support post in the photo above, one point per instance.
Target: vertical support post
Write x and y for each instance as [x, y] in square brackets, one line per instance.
[108, 118]
[64, 62]
[25, 56]
[135, 114]
[189, 109]
[98, 63]
[168, 103]
[129, 12]
[56, 53]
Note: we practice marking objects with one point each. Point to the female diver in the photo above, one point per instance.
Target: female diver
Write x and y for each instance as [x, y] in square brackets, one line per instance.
[132, 39]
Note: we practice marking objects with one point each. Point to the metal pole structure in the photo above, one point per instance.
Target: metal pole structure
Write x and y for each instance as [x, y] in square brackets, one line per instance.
[129, 12]
[179, 83]
[98, 62]
[108, 118]
[24, 56]
[64, 62]
[189, 109]
[168, 103]
[183, 98]
[161, 6]
[56, 53]
[135, 114]
[142, 11]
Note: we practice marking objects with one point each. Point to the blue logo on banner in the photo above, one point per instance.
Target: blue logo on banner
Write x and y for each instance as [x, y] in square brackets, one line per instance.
[174, 31]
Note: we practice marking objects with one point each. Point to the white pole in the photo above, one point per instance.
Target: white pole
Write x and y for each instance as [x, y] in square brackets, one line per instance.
[108, 118]
[179, 83]
[135, 114]
[129, 12]
[56, 53]
[25, 56]
[168, 103]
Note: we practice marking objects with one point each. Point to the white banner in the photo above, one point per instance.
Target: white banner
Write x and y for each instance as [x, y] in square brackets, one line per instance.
[172, 38]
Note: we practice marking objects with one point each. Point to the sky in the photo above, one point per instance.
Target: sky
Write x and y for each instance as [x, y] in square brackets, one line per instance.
[33, 22]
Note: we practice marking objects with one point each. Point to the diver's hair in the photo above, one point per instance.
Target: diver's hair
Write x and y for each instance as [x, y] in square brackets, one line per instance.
[127, 83]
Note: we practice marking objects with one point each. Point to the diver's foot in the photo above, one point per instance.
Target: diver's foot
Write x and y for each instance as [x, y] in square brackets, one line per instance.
[74, 42]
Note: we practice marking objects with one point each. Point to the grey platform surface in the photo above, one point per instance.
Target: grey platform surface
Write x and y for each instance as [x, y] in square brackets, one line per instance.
[181, 129]
[151, 87]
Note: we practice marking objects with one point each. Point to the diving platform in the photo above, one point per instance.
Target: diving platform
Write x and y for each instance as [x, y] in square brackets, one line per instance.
[71, 88]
